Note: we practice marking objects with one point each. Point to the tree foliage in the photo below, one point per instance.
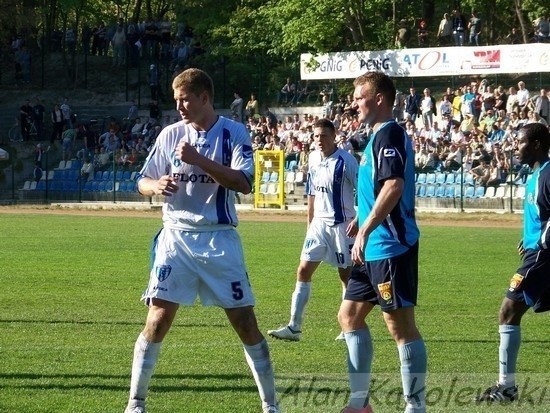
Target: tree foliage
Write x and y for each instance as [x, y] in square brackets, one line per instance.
[261, 40]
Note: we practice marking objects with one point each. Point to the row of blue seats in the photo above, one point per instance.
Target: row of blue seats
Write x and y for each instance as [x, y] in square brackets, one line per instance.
[89, 186]
[73, 174]
[448, 191]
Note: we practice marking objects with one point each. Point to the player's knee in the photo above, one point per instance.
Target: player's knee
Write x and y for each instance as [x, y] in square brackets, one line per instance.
[156, 327]
[508, 314]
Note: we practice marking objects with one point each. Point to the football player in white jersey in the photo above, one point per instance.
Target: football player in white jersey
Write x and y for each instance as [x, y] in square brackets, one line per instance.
[198, 164]
[331, 185]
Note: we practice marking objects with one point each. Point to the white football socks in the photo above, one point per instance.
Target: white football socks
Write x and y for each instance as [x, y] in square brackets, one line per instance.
[300, 297]
[145, 357]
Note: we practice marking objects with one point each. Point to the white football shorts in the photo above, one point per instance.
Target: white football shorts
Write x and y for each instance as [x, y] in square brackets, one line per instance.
[208, 264]
[329, 244]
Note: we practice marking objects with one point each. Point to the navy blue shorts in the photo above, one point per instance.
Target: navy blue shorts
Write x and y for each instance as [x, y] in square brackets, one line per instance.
[392, 282]
[531, 283]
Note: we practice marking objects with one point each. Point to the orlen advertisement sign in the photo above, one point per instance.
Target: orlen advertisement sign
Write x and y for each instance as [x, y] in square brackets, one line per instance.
[439, 61]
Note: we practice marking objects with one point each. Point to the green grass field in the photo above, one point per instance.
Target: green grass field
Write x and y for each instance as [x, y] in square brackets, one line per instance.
[70, 313]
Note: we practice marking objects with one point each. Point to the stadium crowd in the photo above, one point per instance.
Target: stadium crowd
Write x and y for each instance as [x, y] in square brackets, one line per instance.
[473, 127]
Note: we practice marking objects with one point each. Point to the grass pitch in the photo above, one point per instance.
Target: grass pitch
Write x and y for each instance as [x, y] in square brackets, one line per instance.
[70, 313]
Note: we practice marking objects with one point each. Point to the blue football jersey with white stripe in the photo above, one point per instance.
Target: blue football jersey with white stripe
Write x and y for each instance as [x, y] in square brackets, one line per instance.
[536, 210]
[332, 180]
[389, 154]
[200, 203]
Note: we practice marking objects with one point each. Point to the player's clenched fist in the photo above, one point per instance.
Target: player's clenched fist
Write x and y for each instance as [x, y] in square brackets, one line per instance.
[166, 186]
[186, 152]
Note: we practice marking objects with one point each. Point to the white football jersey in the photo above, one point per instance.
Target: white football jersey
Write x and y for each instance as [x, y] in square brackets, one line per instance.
[333, 182]
[200, 203]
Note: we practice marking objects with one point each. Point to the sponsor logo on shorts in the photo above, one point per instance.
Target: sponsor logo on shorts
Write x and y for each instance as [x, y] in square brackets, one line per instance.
[386, 291]
[163, 272]
[515, 282]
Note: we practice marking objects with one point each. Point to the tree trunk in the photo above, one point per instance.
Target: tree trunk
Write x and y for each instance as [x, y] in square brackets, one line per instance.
[525, 28]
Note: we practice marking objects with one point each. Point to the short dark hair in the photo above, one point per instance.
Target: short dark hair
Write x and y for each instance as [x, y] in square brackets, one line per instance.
[537, 132]
[325, 123]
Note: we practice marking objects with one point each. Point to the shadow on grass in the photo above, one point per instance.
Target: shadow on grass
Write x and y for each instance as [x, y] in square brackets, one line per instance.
[33, 381]
[110, 323]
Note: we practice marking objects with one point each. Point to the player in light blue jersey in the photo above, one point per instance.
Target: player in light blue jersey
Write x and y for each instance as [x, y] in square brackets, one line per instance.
[530, 286]
[331, 184]
[385, 251]
[198, 164]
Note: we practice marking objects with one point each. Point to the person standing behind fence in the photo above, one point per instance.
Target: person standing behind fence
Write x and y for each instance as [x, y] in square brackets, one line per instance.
[153, 78]
[39, 110]
[445, 30]
[57, 123]
[119, 47]
[474, 25]
[459, 27]
[236, 107]
[67, 113]
[197, 165]
[26, 115]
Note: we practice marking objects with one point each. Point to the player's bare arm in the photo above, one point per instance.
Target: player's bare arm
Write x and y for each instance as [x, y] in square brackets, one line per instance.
[225, 176]
[388, 198]
[165, 185]
[352, 228]
[310, 209]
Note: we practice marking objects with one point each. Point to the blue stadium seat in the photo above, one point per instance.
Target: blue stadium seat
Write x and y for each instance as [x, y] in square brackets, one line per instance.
[70, 186]
[95, 186]
[101, 186]
[440, 178]
[470, 192]
[450, 191]
[109, 186]
[430, 191]
[56, 186]
[292, 165]
[119, 175]
[479, 192]
[450, 178]
[265, 176]
[263, 189]
[421, 179]
[105, 176]
[123, 187]
[132, 186]
[73, 174]
[76, 164]
[88, 186]
[274, 177]
[440, 191]
[127, 175]
[469, 179]
[41, 185]
[58, 174]
[421, 190]
[430, 178]
[98, 176]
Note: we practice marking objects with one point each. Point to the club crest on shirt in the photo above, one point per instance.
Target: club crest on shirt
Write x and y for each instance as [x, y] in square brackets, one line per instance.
[364, 160]
[175, 161]
[163, 272]
[247, 152]
[515, 282]
[386, 291]
[389, 153]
